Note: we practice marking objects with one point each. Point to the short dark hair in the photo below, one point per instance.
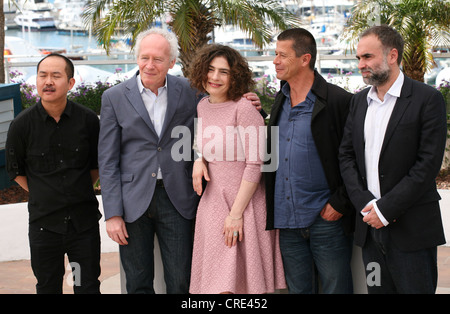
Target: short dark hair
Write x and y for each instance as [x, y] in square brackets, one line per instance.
[70, 70]
[304, 42]
[388, 37]
[241, 76]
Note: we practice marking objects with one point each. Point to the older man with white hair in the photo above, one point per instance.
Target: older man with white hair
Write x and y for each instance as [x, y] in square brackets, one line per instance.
[145, 190]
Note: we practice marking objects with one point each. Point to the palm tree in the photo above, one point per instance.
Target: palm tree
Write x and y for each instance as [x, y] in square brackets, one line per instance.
[191, 20]
[424, 24]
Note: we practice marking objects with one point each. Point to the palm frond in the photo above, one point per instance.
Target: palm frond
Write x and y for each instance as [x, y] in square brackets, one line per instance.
[422, 23]
[258, 18]
[129, 17]
[192, 20]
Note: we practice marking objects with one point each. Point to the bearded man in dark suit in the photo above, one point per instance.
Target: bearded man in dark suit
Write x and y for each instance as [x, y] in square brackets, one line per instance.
[390, 155]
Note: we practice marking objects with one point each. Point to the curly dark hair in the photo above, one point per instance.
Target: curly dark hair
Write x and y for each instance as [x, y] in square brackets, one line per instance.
[241, 77]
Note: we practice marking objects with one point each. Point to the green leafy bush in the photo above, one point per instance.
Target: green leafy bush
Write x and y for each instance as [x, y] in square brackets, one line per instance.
[89, 95]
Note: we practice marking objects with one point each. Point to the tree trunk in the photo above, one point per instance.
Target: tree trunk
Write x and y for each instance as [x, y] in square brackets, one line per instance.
[415, 74]
[2, 43]
[414, 65]
[202, 27]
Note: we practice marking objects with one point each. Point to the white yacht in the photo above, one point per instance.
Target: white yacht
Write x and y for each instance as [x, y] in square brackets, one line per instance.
[69, 20]
[9, 7]
[35, 21]
[35, 5]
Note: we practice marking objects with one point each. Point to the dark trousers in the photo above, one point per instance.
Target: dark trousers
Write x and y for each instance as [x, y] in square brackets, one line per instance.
[47, 259]
[391, 270]
[324, 246]
[175, 240]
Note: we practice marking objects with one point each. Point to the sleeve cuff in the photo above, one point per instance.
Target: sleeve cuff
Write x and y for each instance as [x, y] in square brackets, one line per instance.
[377, 211]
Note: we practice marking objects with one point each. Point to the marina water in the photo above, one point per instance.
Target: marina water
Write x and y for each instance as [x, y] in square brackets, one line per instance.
[72, 44]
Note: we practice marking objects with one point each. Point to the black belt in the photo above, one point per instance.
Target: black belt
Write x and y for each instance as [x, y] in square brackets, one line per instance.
[160, 183]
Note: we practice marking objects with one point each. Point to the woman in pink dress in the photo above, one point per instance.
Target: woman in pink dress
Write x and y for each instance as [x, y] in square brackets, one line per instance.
[233, 253]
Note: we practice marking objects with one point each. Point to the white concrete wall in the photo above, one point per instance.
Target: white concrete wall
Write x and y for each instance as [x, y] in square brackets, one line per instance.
[14, 232]
[445, 212]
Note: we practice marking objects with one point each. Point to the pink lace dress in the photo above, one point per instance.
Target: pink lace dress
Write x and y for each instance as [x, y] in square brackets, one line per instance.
[231, 138]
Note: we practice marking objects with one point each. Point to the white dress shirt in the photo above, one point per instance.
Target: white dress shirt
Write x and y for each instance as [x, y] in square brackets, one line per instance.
[377, 118]
[156, 106]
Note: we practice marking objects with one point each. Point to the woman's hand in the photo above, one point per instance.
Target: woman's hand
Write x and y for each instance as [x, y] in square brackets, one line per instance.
[233, 230]
[199, 171]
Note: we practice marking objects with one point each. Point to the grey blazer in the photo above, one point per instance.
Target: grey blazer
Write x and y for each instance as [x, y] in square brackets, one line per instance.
[130, 150]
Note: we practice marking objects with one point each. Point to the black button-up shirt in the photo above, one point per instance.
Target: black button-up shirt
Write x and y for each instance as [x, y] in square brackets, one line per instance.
[57, 159]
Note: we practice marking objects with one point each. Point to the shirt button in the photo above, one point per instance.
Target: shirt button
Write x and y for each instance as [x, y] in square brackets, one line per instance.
[153, 174]
[159, 149]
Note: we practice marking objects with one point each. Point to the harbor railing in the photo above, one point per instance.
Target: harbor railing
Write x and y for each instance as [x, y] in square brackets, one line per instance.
[342, 62]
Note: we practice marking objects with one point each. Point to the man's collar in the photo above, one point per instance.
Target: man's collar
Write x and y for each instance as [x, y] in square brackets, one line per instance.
[44, 114]
[141, 86]
[395, 90]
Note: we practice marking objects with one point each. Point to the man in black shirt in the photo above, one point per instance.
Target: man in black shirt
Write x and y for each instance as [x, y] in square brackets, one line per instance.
[52, 153]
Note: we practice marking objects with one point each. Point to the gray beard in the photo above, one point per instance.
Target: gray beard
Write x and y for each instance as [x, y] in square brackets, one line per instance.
[377, 78]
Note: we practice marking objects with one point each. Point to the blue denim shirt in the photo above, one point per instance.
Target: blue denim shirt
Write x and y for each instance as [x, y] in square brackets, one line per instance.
[301, 188]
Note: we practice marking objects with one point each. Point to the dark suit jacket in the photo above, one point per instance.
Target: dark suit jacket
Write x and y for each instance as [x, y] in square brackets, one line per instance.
[327, 126]
[410, 159]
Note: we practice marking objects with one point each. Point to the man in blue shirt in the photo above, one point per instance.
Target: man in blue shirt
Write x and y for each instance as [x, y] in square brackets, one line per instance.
[306, 198]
